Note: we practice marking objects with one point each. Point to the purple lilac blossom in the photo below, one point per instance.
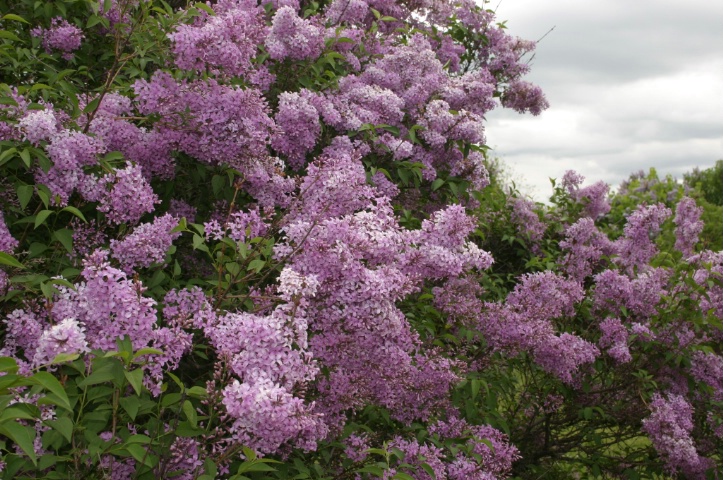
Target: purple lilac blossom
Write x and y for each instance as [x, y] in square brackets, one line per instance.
[293, 37]
[636, 248]
[299, 126]
[615, 339]
[226, 42]
[687, 225]
[585, 246]
[147, 244]
[7, 242]
[129, 197]
[60, 36]
[524, 97]
[669, 427]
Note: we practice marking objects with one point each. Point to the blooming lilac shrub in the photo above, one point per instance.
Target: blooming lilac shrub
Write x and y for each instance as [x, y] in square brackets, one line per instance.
[244, 240]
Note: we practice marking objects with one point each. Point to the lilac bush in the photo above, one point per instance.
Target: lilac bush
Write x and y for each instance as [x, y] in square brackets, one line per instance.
[241, 239]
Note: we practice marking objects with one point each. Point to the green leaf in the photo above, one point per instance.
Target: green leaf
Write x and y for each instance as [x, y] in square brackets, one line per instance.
[20, 411]
[141, 455]
[106, 373]
[6, 259]
[190, 413]
[24, 437]
[131, 405]
[139, 438]
[25, 193]
[259, 465]
[437, 184]
[75, 212]
[8, 364]
[9, 35]
[63, 425]
[65, 358]
[92, 106]
[65, 237]
[402, 476]
[475, 384]
[135, 378]
[256, 265]
[197, 392]
[25, 155]
[373, 469]
[7, 154]
[48, 290]
[17, 18]
[52, 384]
[147, 351]
[41, 217]
[205, 8]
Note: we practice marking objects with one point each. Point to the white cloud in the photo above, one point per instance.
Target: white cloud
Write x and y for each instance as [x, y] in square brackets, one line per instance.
[632, 85]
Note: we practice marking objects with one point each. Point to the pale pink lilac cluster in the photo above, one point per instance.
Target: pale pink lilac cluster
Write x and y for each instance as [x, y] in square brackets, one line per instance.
[269, 358]
[61, 36]
[593, 197]
[356, 446]
[707, 367]
[70, 152]
[710, 267]
[238, 226]
[110, 306]
[38, 125]
[491, 454]
[149, 149]
[68, 337]
[298, 121]
[639, 296]
[23, 329]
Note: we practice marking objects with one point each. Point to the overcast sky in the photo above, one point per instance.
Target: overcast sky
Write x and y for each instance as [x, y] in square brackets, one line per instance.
[632, 84]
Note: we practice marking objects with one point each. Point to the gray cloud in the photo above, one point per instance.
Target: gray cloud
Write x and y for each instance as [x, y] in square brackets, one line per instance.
[632, 85]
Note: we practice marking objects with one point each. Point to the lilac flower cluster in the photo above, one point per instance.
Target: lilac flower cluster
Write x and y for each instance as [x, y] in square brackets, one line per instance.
[293, 37]
[65, 337]
[524, 97]
[298, 121]
[129, 197]
[147, 244]
[37, 125]
[593, 197]
[60, 36]
[688, 225]
[636, 248]
[524, 323]
[7, 242]
[226, 42]
[669, 427]
[614, 338]
[527, 221]
[585, 246]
